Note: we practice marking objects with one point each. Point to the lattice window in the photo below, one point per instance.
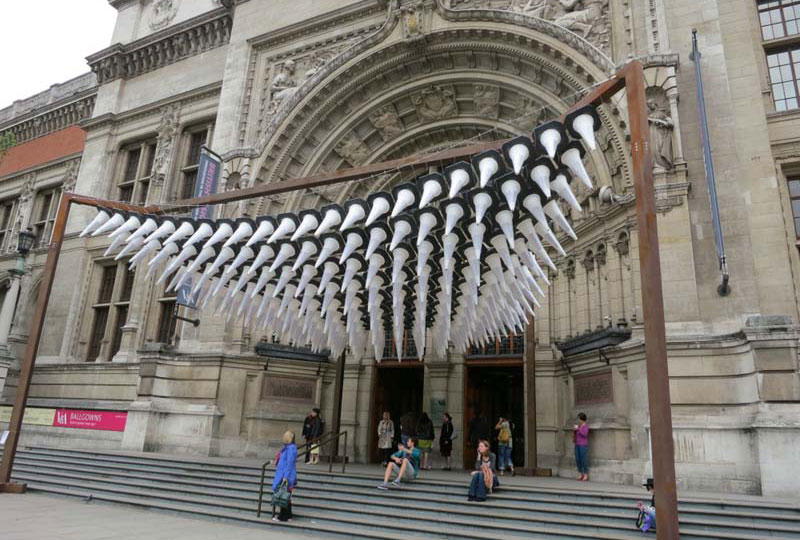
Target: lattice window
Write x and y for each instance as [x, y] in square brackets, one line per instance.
[779, 18]
[133, 184]
[794, 197]
[409, 348]
[110, 311]
[44, 214]
[501, 346]
[8, 209]
[194, 139]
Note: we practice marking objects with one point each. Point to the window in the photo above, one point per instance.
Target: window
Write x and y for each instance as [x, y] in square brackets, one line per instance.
[44, 215]
[784, 67]
[502, 346]
[7, 214]
[137, 167]
[779, 18]
[110, 311]
[409, 347]
[794, 198]
[194, 139]
[167, 310]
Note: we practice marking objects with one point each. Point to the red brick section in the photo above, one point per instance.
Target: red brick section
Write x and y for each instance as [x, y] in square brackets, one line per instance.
[43, 150]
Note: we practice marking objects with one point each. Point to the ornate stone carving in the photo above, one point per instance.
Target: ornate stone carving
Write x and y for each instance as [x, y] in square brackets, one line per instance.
[183, 40]
[53, 120]
[163, 13]
[622, 245]
[661, 127]
[70, 175]
[167, 130]
[353, 149]
[387, 122]
[600, 255]
[569, 269]
[435, 103]
[416, 19]
[588, 261]
[487, 100]
[26, 191]
[527, 113]
[283, 85]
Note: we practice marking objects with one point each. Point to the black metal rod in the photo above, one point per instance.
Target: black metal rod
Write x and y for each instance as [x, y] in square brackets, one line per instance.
[261, 488]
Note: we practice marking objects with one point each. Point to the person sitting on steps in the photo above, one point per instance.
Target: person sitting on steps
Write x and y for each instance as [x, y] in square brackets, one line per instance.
[483, 477]
[404, 463]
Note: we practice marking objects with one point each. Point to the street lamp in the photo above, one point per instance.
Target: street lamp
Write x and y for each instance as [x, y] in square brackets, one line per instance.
[25, 242]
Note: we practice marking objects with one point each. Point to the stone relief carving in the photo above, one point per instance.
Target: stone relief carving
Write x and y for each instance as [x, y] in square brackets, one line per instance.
[661, 127]
[353, 149]
[70, 175]
[283, 85]
[387, 122]
[435, 103]
[588, 261]
[165, 140]
[487, 100]
[569, 269]
[526, 112]
[622, 245]
[163, 13]
[416, 19]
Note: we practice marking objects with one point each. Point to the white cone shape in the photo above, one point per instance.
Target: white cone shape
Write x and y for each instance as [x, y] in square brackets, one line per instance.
[285, 228]
[476, 232]
[223, 231]
[458, 179]
[499, 244]
[130, 225]
[482, 202]
[203, 231]
[329, 246]
[545, 232]
[225, 254]
[265, 253]
[583, 124]
[562, 189]
[244, 230]
[165, 229]
[286, 252]
[397, 286]
[168, 251]
[307, 224]
[533, 204]
[572, 159]
[244, 255]
[400, 258]
[202, 257]
[511, 189]
[148, 249]
[379, 207]
[375, 263]
[474, 263]
[101, 217]
[186, 254]
[352, 266]
[452, 212]
[132, 247]
[330, 293]
[550, 139]
[535, 245]
[377, 236]
[354, 214]
[353, 242]
[450, 242]
[306, 251]
[541, 176]
[427, 222]
[264, 229]
[330, 219]
[263, 279]
[487, 167]
[423, 254]
[405, 198]
[115, 244]
[505, 219]
[518, 154]
[430, 190]
[185, 229]
[401, 230]
[330, 270]
[308, 296]
[286, 275]
[554, 212]
[112, 223]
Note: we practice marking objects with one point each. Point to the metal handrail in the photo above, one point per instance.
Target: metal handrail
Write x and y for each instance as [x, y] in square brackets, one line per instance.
[327, 438]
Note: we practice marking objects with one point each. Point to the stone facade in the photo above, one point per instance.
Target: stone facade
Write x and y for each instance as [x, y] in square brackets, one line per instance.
[286, 89]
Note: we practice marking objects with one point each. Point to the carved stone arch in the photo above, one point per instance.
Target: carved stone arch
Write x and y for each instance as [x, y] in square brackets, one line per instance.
[326, 125]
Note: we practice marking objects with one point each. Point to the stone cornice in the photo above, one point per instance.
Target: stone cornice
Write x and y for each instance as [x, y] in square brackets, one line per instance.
[55, 119]
[189, 38]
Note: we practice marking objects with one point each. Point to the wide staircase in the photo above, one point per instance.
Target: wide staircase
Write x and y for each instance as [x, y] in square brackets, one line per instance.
[336, 506]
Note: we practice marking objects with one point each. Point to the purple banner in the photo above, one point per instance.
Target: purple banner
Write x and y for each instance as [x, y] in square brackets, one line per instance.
[208, 172]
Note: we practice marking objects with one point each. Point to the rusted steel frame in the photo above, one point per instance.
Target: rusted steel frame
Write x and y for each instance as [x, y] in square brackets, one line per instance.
[666, 496]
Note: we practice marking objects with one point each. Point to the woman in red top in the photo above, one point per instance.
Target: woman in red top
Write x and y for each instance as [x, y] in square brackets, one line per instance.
[580, 436]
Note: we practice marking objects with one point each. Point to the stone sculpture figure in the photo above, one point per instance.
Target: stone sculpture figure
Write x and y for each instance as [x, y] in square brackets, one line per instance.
[583, 19]
[387, 122]
[661, 126]
[435, 102]
[353, 149]
[283, 85]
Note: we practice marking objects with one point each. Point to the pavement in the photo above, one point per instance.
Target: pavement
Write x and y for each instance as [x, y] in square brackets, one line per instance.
[45, 517]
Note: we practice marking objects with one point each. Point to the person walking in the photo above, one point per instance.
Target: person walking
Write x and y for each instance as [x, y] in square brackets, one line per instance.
[446, 437]
[385, 437]
[505, 444]
[315, 432]
[483, 477]
[286, 471]
[580, 436]
[425, 435]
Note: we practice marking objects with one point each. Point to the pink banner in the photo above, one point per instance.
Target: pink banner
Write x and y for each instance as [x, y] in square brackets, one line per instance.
[104, 420]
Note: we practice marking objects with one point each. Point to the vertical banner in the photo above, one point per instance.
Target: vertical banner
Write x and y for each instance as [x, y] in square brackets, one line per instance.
[208, 172]
[185, 296]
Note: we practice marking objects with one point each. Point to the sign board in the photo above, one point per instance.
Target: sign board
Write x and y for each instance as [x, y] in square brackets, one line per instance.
[185, 297]
[594, 388]
[288, 389]
[100, 420]
[33, 416]
[438, 408]
[208, 171]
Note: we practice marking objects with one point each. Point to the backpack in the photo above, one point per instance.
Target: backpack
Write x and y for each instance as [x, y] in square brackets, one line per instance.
[505, 435]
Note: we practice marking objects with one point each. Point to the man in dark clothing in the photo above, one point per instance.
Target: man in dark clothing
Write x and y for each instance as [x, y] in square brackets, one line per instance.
[307, 434]
[316, 428]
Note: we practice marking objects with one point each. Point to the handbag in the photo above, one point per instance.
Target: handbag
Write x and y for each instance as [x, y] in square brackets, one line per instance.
[282, 496]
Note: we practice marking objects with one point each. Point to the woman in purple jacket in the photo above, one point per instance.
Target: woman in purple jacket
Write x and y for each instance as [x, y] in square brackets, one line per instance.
[580, 436]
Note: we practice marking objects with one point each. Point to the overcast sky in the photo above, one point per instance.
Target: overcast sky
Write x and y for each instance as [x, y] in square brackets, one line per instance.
[47, 41]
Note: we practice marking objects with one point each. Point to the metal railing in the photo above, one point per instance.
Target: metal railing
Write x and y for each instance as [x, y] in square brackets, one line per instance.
[326, 439]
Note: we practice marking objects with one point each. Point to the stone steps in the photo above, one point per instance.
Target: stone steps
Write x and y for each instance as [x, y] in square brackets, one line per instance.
[335, 503]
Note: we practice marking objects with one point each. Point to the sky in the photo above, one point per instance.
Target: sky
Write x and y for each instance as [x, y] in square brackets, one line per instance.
[47, 41]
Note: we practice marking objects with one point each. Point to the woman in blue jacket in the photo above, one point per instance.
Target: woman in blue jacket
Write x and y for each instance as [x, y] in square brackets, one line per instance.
[286, 470]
